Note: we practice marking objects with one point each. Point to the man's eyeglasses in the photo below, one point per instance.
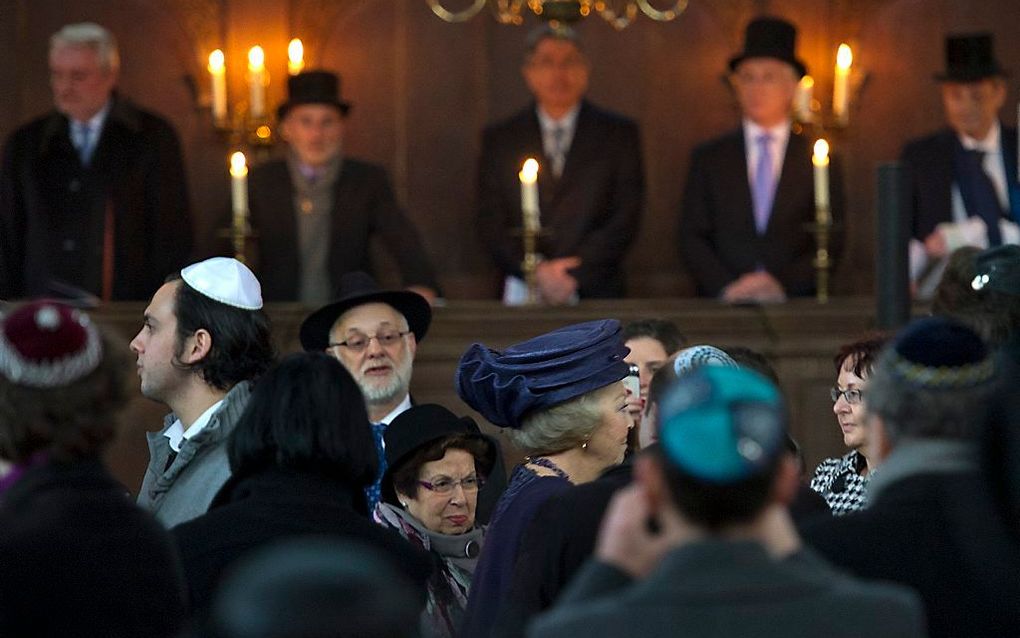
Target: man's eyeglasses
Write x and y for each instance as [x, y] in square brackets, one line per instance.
[444, 485]
[357, 342]
[853, 397]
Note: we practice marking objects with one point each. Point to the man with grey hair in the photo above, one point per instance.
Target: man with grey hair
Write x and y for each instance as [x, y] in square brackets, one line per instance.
[93, 199]
[590, 183]
[932, 523]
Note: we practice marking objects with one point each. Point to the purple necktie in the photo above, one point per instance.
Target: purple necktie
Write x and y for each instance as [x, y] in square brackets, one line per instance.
[764, 188]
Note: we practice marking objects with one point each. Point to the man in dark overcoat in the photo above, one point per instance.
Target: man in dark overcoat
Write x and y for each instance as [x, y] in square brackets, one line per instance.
[93, 199]
[316, 211]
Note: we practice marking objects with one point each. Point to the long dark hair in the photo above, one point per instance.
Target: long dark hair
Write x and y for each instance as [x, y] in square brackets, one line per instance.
[306, 413]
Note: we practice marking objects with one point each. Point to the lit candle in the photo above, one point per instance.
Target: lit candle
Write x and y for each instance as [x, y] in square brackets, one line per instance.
[218, 72]
[841, 82]
[805, 94]
[821, 161]
[295, 56]
[239, 189]
[257, 82]
[529, 195]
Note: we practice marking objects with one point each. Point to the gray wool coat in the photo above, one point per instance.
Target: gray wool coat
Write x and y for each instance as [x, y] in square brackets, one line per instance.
[185, 489]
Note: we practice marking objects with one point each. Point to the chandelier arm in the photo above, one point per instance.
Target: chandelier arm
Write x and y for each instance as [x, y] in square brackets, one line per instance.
[662, 15]
[456, 16]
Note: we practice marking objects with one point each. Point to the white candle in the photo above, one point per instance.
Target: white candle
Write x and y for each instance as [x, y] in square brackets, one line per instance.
[820, 159]
[239, 189]
[295, 56]
[257, 82]
[218, 73]
[529, 195]
[841, 83]
[805, 95]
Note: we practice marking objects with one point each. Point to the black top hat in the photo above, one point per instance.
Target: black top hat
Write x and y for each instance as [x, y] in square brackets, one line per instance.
[970, 58]
[421, 425]
[770, 38]
[358, 288]
[313, 87]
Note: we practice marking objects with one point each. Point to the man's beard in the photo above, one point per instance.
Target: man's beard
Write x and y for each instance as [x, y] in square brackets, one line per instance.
[395, 388]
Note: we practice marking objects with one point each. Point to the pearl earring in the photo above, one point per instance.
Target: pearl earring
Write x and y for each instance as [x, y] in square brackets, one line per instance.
[584, 446]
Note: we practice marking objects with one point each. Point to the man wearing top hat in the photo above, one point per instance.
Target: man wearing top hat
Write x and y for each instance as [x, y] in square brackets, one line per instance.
[375, 333]
[961, 182]
[749, 196]
[204, 340]
[590, 182]
[316, 211]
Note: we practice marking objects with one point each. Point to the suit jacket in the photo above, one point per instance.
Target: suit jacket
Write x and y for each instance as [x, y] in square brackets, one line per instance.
[939, 534]
[717, 235]
[928, 175]
[592, 211]
[363, 207]
[53, 209]
[732, 589]
[78, 558]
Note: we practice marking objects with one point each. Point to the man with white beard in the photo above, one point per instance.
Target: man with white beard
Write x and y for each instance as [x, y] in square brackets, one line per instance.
[375, 333]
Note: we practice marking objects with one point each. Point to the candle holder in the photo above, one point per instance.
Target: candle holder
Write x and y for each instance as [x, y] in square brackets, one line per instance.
[822, 229]
[529, 265]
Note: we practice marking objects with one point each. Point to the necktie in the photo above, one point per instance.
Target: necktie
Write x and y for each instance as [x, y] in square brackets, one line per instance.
[559, 153]
[372, 492]
[764, 188]
[978, 192]
[85, 143]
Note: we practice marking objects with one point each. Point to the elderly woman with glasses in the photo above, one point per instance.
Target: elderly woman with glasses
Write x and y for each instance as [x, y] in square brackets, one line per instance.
[842, 482]
[436, 463]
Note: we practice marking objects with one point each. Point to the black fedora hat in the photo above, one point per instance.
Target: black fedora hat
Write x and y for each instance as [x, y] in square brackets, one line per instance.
[358, 288]
[970, 58]
[421, 425]
[313, 87]
[768, 37]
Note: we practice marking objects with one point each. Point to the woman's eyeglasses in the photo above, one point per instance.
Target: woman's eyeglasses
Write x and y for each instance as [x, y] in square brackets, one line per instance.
[853, 396]
[445, 485]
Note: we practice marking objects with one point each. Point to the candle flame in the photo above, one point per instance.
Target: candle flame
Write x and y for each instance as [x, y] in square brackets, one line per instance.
[844, 57]
[256, 58]
[237, 165]
[807, 82]
[529, 172]
[295, 56]
[821, 156]
[217, 62]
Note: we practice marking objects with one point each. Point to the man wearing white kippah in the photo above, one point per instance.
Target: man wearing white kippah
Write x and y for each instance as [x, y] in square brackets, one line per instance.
[203, 341]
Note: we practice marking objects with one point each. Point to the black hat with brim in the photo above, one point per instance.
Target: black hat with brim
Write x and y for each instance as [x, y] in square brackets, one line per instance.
[357, 289]
[313, 87]
[970, 58]
[421, 425]
[770, 38]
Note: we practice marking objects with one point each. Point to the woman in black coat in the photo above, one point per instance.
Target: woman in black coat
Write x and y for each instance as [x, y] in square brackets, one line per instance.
[301, 456]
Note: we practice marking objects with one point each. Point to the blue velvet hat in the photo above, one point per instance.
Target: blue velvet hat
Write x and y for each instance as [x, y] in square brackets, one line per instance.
[541, 372]
[722, 424]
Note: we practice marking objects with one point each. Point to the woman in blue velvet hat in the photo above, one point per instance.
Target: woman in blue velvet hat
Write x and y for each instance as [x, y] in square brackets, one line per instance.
[562, 402]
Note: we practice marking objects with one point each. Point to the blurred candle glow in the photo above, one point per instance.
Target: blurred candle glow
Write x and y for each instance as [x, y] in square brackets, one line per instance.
[529, 195]
[841, 83]
[820, 159]
[257, 81]
[239, 189]
[295, 56]
[218, 73]
[805, 95]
